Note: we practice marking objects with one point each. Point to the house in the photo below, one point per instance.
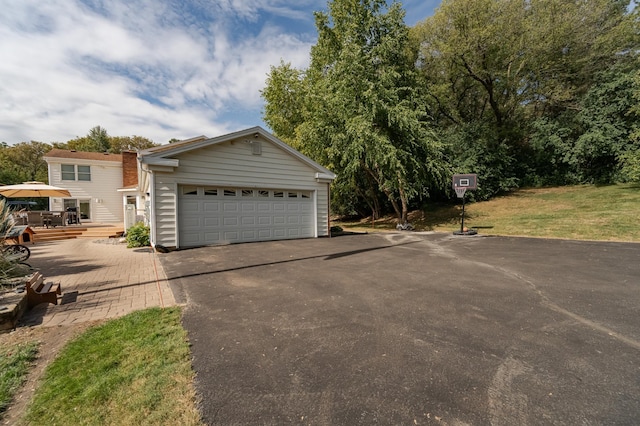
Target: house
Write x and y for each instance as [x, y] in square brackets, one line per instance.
[103, 186]
[241, 187]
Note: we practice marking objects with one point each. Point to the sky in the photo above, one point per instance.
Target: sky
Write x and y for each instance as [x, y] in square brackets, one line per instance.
[160, 69]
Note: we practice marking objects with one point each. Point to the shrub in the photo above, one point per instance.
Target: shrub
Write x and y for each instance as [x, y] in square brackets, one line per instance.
[138, 236]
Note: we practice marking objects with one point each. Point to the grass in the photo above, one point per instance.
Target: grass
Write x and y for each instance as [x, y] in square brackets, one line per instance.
[584, 212]
[15, 361]
[135, 370]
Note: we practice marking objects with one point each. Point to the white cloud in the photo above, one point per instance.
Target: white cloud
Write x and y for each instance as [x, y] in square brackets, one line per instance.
[139, 67]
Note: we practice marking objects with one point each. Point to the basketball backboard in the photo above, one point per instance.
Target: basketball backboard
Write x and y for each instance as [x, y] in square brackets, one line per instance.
[468, 181]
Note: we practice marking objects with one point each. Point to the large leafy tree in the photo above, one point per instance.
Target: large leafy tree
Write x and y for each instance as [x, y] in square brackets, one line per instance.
[23, 162]
[118, 144]
[98, 140]
[358, 109]
[496, 66]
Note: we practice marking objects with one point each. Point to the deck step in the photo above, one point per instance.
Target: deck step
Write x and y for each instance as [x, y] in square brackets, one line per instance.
[53, 234]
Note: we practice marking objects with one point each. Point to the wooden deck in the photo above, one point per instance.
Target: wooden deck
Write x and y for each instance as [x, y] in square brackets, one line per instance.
[89, 230]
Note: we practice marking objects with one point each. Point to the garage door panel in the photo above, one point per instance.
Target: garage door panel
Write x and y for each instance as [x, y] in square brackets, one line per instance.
[212, 236]
[293, 220]
[231, 236]
[230, 207]
[248, 207]
[293, 232]
[265, 234]
[249, 235]
[191, 222]
[248, 220]
[230, 221]
[217, 219]
[191, 238]
[191, 206]
[211, 206]
[210, 222]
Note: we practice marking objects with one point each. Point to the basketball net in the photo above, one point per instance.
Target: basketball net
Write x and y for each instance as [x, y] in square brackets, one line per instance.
[460, 190]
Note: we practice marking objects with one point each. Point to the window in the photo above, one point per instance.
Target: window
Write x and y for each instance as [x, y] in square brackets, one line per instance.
[84, 173]
[278, 194]
[211, 191]
[68, 172]
[292, 195]
[306, 194]
[229, 192]
[74, 172]
[263, 193]
[189, 190]
[247, 192]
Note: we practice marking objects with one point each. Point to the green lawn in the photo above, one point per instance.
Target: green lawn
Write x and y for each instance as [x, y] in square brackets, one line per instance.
[15, 361]
[585, 212]
[135, 370]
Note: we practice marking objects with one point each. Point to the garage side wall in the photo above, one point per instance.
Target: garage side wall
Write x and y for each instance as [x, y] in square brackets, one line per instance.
[166, 206]
[236, 164]
[323, 209]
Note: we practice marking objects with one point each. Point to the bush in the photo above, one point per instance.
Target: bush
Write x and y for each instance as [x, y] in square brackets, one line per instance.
[138, 236]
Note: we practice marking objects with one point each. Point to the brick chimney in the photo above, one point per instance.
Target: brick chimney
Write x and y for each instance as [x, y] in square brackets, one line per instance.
[129, 169]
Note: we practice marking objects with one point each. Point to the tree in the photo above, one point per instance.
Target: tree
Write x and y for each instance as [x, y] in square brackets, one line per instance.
[630, 159]
[98, 140]
[285, 93]
[24, 162]
[119, 144]
[499, 65]
[358, 109]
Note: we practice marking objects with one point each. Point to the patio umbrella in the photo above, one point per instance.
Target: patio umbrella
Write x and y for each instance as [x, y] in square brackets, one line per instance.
[33, 189]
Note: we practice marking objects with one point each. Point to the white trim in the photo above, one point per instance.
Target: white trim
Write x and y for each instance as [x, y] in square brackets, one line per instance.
[152, 210]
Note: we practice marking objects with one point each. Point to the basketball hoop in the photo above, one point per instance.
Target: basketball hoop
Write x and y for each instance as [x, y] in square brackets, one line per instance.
[460, 184]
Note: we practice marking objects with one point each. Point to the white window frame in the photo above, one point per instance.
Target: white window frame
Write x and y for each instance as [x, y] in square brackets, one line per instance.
[80, 171]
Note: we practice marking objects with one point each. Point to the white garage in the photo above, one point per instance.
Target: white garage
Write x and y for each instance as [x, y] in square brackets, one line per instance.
[211, 215]
[243, 187]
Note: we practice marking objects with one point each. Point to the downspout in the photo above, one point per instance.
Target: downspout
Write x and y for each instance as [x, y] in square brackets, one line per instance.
[152, 208]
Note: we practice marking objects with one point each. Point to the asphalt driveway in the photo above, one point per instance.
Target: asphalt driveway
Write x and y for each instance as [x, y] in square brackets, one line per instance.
[413, 329]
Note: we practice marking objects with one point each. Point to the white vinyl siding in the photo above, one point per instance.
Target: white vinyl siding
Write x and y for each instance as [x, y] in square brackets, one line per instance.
[105, 178]
[233, 166]
[166, 219]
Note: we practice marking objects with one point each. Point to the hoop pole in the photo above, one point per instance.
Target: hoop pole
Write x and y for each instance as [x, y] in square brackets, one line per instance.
[462, 223]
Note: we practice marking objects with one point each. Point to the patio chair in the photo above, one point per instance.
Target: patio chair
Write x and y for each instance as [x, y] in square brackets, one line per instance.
[19, 219]
[34, 219]
[56, 220]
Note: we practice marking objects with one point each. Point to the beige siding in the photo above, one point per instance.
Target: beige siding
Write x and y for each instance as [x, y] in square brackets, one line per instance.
[234, 165]
[106, 178]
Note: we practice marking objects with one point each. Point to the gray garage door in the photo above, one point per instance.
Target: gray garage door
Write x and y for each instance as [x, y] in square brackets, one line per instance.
[218, 215]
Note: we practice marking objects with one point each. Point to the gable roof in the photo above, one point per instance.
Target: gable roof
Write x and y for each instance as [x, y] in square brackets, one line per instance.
[83, 155]
[156, 155]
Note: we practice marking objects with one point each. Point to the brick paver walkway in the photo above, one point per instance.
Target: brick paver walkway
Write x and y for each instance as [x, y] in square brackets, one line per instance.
[99, 279]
